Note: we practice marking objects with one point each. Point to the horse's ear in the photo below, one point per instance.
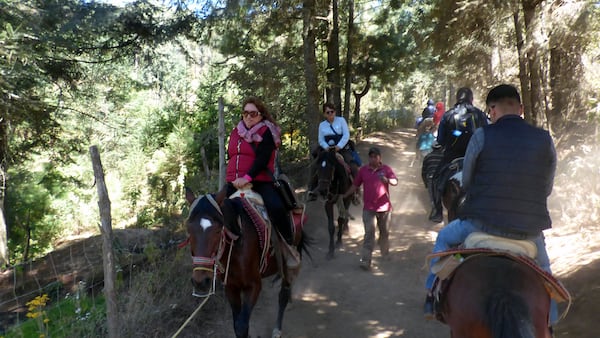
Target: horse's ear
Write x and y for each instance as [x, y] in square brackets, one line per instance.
[221, 194]
[189, 195]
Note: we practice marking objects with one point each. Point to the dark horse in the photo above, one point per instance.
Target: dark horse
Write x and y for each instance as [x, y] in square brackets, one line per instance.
[496, 297]
[452, 197]
[230, 250]
[452, 193]
[334, 181]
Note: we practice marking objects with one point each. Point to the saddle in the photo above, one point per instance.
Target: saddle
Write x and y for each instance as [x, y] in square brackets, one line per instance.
[253, 205]
[477, 243]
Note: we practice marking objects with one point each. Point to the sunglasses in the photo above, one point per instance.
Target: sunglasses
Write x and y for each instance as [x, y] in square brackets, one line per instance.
[330, 112]
[252, 113]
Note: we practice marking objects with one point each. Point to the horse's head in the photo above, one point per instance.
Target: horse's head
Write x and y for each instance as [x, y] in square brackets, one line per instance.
[328, 168]
[207, 230]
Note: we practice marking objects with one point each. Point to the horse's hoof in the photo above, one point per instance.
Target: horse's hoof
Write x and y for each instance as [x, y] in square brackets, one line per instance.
[276, 333]
[338, 244]
[329, 256]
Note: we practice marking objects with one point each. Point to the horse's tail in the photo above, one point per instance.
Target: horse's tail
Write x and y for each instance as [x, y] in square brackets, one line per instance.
[304, 244]
[508, 316]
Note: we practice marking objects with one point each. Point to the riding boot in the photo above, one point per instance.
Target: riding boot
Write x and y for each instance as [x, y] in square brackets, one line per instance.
[436, 213]
[428, 307]
[291, 257]
[290, 253]
[436, 204]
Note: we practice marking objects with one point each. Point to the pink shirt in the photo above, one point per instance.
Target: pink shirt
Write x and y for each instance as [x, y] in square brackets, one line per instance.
[376, 194]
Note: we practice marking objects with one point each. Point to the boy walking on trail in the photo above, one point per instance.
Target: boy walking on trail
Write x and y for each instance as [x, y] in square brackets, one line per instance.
[376, 178]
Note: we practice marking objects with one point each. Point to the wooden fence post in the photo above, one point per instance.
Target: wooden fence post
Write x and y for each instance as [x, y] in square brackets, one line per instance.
[221, 143]
[107, 249]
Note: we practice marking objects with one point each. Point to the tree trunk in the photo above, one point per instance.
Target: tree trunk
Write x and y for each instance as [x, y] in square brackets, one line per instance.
[3, 227]
[531, 13]
[566, 72]
[357, 98]
[348, 67]
[333, 90]
[523, 75]
[108, 257]
[221, 137]
[27, 240]
[310, 72]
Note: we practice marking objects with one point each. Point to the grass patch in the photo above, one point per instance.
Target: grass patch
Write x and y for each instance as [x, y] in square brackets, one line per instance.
[72, 316]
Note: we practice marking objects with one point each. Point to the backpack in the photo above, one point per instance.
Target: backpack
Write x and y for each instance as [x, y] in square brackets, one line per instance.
[465, 122]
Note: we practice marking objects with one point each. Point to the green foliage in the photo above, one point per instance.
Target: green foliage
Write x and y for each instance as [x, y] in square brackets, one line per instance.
[76, 315]
[387, 120]
[143, 83]
[32, 220]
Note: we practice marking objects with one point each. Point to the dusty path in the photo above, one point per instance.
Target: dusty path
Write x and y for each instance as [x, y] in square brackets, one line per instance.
[336, 298]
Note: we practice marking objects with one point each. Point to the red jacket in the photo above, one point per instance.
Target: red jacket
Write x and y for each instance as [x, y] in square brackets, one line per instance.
[242, 157]
[439, 112]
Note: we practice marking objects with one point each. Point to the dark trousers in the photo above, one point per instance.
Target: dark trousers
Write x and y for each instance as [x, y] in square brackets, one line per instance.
[278, 214]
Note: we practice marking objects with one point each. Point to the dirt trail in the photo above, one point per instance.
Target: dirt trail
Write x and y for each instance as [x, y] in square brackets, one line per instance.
[336, 298]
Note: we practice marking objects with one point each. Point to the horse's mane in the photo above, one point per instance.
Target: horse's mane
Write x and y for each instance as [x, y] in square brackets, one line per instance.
[332, 158]
[202, 204]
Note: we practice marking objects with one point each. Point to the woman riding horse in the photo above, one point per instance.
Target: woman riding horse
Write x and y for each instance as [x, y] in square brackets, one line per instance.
[252, 147]
[229, 242]
[333, 135]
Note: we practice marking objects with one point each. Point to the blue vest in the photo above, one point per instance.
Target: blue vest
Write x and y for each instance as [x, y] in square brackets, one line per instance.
[512, 179]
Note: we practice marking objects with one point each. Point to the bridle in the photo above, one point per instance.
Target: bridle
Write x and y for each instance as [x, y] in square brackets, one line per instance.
[213, 263]
[329, 180]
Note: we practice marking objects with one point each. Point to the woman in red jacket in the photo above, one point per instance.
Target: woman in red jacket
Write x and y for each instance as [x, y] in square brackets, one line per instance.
[251, 151]
[439, 112]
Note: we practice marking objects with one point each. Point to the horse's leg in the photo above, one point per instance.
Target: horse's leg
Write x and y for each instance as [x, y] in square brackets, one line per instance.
[242, 308]
[347, 202]
[342, 221]
[240, 325]
[330, 228]
[285, 293]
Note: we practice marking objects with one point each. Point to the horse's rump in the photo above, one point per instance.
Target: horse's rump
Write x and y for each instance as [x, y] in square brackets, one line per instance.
[495, 296]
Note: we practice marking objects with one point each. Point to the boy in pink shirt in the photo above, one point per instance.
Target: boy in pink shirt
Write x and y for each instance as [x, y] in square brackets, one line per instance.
[376, 178]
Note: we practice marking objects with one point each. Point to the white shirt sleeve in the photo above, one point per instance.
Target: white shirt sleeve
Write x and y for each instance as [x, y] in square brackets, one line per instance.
[345, 131]
[323, 131]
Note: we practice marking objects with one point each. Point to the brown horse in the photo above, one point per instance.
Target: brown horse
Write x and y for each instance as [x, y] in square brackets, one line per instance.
[334, 181]
[224, 248]
[495, 297]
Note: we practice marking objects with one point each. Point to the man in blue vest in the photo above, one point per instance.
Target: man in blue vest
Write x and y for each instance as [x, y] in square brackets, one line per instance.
[508, 175]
